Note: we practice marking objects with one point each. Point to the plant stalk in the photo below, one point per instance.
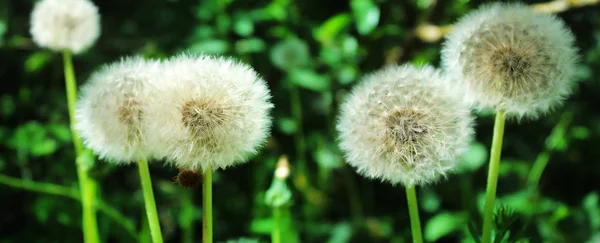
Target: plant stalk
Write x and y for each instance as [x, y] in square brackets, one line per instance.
[276, 234]
[86, 184]
[207, 227]
[492, 183]
[149, 202]
[413, 210]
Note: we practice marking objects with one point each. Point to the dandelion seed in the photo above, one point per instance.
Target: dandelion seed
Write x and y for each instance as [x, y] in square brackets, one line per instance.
[404, 125]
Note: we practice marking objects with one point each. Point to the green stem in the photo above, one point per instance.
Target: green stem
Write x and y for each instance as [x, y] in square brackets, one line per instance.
[557, 135]
[86, 184]
[207, 228]
[492, 183]
[413, 210]
[276, 233]
[149, 202]
[52, 189]
[299, 135]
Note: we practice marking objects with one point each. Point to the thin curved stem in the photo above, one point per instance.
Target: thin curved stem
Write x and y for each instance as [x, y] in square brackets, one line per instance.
[207, 227]
[149, 202]
[86, 184]
[58, 190]
[559, 133]
[492, 183]
[413, 210]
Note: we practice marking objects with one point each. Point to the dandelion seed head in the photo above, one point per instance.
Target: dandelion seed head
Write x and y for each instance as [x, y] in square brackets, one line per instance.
[211, 112]
[512, 59]
[65, 24]
[404, 125]
[111, 111]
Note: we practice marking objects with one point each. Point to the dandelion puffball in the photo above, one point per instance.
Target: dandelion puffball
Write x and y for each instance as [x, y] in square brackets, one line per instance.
[512, 59]
[65, 24]
[112, 110]
[211, 112]
[404, 125]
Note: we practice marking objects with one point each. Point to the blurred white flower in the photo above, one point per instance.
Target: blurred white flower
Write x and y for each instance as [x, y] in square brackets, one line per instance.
[404, 125]
[65, 24]
[111, 113]
[512, 59]
[211, 112]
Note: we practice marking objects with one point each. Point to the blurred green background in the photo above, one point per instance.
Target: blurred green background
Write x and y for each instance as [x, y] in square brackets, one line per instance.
[311, 53]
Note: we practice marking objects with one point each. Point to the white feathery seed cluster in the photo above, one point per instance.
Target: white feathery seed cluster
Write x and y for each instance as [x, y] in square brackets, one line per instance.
[404, 125]
[211, 113]
[65, 24]
[512, 59]
[112, 111]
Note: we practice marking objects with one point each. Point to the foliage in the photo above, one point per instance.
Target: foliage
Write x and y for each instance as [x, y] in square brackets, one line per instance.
[311, 53]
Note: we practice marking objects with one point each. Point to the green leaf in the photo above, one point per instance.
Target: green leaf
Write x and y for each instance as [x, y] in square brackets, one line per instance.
[252, 45]
[444, 224]
[341, 233]
[326, 158]
[308, 79]
[430, 201]
[474, 158]
[61, 132]
[3, 29]
[328, 31]
[366, 14]
[44, 147]
[289, 54]
[261, 226]
[7, 106]
[287, 125]
[213, 46]
[244, 27]
[347, 74]
[36, 61]
[580, 132]
[592, 209]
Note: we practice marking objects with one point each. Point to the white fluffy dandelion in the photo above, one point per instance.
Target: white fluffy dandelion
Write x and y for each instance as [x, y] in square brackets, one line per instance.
[512, 59]
[112, 110]
[404, 125]
[211, 113]
[65, 24]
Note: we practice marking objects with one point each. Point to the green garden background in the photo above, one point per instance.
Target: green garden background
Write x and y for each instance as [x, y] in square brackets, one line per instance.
[311, 53]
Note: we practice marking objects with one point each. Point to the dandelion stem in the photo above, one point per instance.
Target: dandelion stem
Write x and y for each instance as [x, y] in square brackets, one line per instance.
[86, 183]
[149, 202]
[413, 210]
[492, 183]
[276, 233]
[207, 228]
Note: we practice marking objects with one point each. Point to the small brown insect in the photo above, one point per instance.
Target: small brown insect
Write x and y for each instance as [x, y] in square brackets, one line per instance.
[188, 178]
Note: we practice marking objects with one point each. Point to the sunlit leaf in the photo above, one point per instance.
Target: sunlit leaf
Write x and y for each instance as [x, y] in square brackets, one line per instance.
[308, 79]
[443, 224]
[329, 30]
[213, 46]
[366, 14]
[474, 158]
[291, 53]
